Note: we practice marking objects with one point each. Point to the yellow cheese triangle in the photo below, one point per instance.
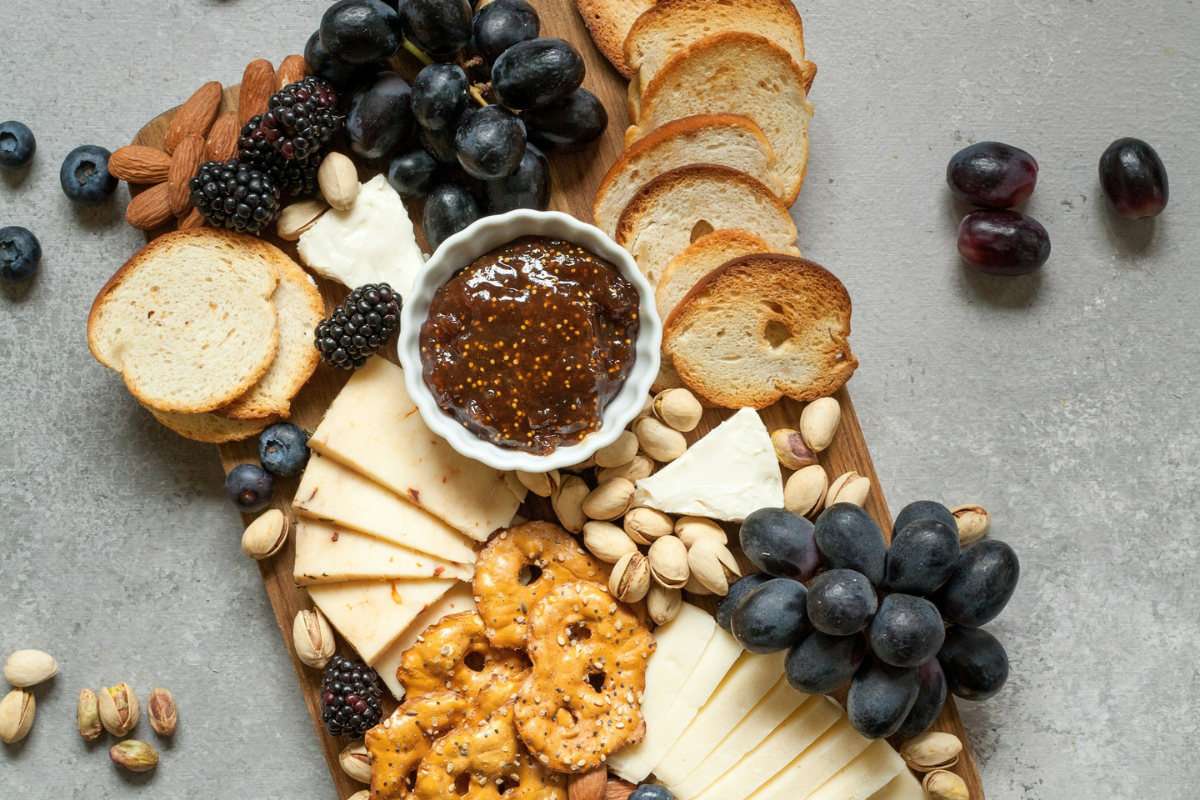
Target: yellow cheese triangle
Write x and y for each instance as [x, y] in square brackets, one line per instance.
[869, 772]
[372, 614]
[326, 553]
[457, 598]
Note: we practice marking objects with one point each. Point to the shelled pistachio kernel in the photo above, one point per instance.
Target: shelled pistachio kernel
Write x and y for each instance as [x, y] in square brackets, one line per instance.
[134, 755]
[163, 711]
[805, 490]
[974, 522]
[679, 408]
[819, 422]
[87, 715]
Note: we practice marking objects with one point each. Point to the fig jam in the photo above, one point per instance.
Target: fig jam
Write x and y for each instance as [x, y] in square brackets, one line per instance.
[528, 345]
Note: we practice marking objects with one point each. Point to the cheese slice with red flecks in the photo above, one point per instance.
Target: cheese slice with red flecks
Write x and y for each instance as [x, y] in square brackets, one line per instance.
[371, 615]
[327, 553]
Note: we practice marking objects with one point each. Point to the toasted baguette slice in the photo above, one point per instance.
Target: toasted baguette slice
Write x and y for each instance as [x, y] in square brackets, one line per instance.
[298, 307]
[211, 428]
[685, 271]
[671, 25]
[609, 21]
[683, 204]
[726, 139]
[736, 73]
[188, 321]
[759, 328]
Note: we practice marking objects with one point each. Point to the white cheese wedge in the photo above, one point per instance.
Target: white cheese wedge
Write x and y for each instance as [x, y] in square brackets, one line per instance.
[328, 553]
[699, 482]
[902, 787]
[337, 494]
[370, 615]
[374, 427]
[804, 775]
[751, 677]
[371, 242]
[869, 772]
[680, 645]
[764, 718]
[789, 740]
[457, 598]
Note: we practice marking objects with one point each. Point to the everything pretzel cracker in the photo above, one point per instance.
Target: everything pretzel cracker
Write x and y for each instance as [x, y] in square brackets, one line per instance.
[582, 701]
[399, 743]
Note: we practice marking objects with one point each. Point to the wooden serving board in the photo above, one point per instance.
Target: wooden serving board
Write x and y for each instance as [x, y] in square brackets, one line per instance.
[575, 178]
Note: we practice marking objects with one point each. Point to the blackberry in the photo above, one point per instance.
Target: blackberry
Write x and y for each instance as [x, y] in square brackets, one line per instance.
[299, 120]
[296, 177]
[364, 322]
[350, 698]
[232, 195]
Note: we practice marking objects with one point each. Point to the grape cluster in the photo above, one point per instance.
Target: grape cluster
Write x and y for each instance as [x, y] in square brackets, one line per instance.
[901, 624]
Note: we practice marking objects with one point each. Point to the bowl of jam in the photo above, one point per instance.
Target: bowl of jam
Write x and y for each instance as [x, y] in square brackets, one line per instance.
[529, 341]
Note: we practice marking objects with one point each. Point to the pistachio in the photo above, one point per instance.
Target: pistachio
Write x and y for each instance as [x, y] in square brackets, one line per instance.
[679, 408]
[647, 407]
[805, 490]
[660, 441]
[791, 450]
[543, 484]
[338, 179]
[364, 794]
[163, 712]
[630, 578]
[619, 453]
[931, 750]
[663, 604]
[133, 755]
[644, 525]
[87, 714]
[29, 667]
[668, 558]
[609, 500]
[692, 529]
[819, 422]
[568, 503]
[119, 709]
[848, 488]
[694, 586]
[606, 541]
[295, 219]
[713, 565]
[942, 785]
[312, 638]
[266, 535]
[586, 464]
[640, 467]
[973, 523]
[16, 715]
[356, 761]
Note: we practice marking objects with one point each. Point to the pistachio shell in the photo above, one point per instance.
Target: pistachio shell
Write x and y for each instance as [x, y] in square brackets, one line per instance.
[266, 535]
[119, 709]
[663, 604]
[364, 794]
[619, 453]
[660, 441]
[606, 541]
[819, 422]
[692, 529]
[848, 488]
[644, 525]
[805, 490]
[669, 562]
[695, 587]
[296, 218]
[941, 785]
[791, 450]
[356, 761]
[641, 466]
[29, 668]
[974, 522]
[16, 715]
[338, 178]
[630, 578]
[679, 408]
[931, 750]
[313, 638]
[568, 503]
[543, 484]
[713, 565]
[609, 500]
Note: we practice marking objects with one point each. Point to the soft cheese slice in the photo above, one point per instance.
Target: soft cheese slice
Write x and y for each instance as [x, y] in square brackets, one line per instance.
[698, 484]
[372, 614]
[457, 598]
[337, 494]
[374, 427]
[680, 646]
[791, 738]
[902, 787]
[836, 748]
[748, 734]
[869, 772]
[327, 553]
[751, 677]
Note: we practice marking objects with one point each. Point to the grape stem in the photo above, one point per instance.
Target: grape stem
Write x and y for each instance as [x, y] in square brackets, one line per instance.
[418, 52]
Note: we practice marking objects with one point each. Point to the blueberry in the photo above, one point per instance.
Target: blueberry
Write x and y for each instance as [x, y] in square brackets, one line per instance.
[737, 591]
[772, 617]
[17, 144]
[780, 543]
[249, 487]
[651, 791]
[848, 538]
[881, 697]
[907, 631]
[841, 602]
[922, 557]
[283, 449]
[924, 509]
[20, 254]
[931, 696]
[822, 663]
[85, 177]
[981, 585]
[413, 174]
[975, 663]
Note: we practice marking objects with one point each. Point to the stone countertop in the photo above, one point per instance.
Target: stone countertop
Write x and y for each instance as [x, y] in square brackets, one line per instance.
[1064, 402]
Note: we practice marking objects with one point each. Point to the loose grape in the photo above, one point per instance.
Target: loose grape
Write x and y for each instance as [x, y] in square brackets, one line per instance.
[1003, 242]
[992, 174]
[1134, 179]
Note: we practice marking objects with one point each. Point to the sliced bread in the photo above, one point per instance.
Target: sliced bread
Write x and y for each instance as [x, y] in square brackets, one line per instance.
[726, 139]
[609, 21]
[188, 321]
[671, 25]
[736, 73]
[683, 204]
[211, 428]
[760, 328]
[298, 307]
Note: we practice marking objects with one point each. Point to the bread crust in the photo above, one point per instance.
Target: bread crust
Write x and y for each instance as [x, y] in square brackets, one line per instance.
[663, 10]
[608, 22]
[209, 427]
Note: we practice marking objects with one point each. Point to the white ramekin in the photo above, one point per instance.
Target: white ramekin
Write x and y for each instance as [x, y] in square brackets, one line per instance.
[462, 249]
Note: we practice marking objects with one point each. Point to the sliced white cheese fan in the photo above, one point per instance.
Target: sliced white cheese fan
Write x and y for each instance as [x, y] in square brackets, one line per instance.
[326, 553]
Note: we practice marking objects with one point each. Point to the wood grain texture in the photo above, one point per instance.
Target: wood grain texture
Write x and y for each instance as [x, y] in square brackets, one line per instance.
[575, 178]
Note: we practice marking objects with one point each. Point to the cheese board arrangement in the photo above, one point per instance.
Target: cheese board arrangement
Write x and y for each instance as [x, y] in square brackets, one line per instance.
[539, 426]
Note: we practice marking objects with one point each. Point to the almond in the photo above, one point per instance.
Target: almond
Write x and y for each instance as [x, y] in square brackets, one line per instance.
[150, 209]
[223, 138]
[194, 219]
[590, 785]
[618, 790]
[188, 156]
[293, 68]
[258, 84]
[194, 116]
[138, 164]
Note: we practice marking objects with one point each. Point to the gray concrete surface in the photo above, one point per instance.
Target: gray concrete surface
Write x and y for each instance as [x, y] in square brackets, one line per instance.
[1063, 402]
